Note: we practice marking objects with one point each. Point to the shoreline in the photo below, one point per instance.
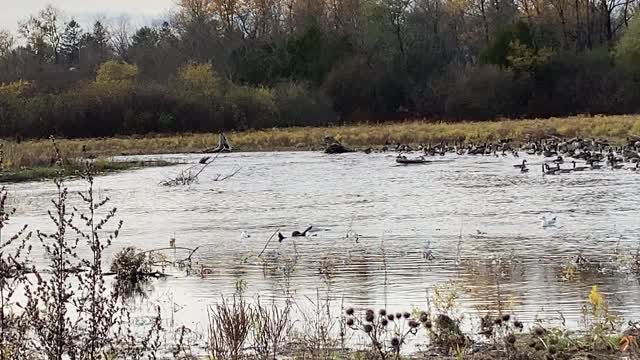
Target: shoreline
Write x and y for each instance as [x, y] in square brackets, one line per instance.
[43, 173]
[31, 159]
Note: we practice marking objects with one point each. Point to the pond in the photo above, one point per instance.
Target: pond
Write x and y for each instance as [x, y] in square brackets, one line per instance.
[386, 234]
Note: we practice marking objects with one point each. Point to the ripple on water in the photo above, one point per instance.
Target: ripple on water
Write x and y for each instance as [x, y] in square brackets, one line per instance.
[400, 212]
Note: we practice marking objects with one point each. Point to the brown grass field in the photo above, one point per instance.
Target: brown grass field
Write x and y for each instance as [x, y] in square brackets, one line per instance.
[38, 153]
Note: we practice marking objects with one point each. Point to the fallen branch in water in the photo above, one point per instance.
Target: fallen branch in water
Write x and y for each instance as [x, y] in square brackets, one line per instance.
[187, 176]
[220, 177]
[268, 241]
[175, 261]
[154, 274]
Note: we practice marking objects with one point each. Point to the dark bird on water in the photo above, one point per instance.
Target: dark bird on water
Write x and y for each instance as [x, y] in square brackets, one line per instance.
[300, 234]
[280, 237]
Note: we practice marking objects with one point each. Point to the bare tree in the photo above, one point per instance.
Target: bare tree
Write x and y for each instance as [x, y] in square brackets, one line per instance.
[6, 43]
[43, 32]
[121, 36]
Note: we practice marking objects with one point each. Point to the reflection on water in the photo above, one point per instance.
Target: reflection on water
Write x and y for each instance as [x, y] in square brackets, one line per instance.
[476, 218]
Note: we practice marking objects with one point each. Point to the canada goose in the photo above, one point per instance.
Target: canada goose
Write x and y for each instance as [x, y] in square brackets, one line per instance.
[301, 234]
[578, 168]
[562, 171]
[546, 170]
[559, 160]
[523, 165]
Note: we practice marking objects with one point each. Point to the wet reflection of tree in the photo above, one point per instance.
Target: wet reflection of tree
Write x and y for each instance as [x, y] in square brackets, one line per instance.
[137, 290]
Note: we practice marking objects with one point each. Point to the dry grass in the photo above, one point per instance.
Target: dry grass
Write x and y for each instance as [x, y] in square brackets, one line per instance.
[40, 152]
[611, 127]
[30, 154]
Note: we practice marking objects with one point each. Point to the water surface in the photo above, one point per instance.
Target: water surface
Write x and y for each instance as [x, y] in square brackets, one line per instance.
[478, 216]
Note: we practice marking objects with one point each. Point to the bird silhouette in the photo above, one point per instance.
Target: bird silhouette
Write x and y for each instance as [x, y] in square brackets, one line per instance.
[301, 234]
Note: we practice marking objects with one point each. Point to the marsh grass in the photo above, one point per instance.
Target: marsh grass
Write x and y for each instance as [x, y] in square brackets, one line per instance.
[609, 127]
[73, 169]
[36, 153]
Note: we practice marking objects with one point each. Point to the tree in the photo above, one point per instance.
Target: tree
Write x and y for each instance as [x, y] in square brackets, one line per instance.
[117, 72]
[6, 44]
[43, 33]
[121, 38]
[497, 52]
[197, 79]
[97, 43]
[627, 51]
[200, 30]
[144, 50]
[70, 46]
[100, 39]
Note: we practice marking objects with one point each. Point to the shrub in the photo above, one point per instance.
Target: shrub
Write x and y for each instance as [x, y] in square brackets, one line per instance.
[483, 92]
[246, 107]
[298, 105]
[197, 79]
[114, 71]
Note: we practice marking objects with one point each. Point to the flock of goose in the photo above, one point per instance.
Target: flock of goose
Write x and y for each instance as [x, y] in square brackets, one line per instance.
[576, 151]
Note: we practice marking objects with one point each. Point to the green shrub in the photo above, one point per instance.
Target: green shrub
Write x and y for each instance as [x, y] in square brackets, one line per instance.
[114, 71]
[249, 108]
[627, 51]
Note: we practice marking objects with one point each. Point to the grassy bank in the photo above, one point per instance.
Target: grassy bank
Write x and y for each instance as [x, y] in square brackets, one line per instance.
[363, 135]
[38, 173]
[38, 153]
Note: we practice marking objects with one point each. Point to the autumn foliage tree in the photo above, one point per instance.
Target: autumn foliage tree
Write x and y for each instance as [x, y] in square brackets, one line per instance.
[235, 64]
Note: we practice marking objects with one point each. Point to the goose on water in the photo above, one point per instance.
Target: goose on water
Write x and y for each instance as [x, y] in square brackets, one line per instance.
[520, 166]
[301, 234]
[546, 170]
[593, 165]
[562, 171]
[578, 168]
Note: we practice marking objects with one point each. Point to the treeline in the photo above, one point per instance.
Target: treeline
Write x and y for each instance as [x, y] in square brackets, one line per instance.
[238, 64]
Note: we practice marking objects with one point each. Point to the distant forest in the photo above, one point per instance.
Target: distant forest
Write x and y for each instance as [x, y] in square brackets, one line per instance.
[247, 64]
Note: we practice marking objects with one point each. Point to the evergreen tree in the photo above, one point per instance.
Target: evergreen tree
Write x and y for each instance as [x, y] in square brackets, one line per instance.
[100, 41]
[71, 39]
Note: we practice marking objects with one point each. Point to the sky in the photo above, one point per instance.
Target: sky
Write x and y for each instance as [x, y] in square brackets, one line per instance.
[85, 11]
